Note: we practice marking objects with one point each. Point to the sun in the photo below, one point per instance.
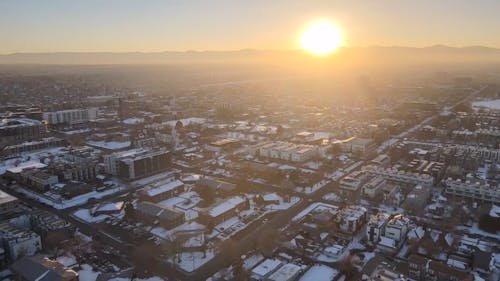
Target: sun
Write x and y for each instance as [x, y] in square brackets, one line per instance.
[321, 38]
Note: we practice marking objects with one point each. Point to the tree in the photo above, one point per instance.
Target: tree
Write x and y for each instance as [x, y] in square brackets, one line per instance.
[267, 241]
[207, 194]
[178, 125]
[54, 242]
[129, 211]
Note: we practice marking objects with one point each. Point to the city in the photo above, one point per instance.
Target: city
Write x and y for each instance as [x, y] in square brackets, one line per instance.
[231, 170]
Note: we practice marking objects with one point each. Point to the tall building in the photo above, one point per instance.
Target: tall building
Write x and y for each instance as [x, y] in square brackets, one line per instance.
[137, 163]
[70, 116]
[16, 130]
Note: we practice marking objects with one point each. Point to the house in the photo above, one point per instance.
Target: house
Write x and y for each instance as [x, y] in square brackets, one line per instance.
[40, 268]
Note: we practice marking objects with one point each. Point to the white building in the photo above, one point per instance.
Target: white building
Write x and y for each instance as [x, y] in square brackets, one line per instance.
[351, 218]
[287, 272]
[19, 242]
[70, 116]
[265, 269]
[288, 151]
[374, 187]
[397, 228]
[477, 190]
[376, 226]
[400, 176]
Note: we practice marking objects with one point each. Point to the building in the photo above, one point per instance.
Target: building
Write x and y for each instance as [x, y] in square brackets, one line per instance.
[157, 214]
[17, 130]
[288, 272]
[157, 193]
[40, 268]
[351, 218]
[287, 151]
[137, 163]
[477, 190]
[394, 233]
[265, 269]
[33, 146]
[8, 204]
[416, 199]
[215, 184]
[400, 176]
[374, 187]
[376, 226]
[223, 144]
[44, 222]
[351, 184]
[359, 146]
[19, 242]
[225, 210]
[424, 269]
[70, 116]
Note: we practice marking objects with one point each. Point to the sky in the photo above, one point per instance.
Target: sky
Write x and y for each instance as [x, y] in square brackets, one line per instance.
[164, 25]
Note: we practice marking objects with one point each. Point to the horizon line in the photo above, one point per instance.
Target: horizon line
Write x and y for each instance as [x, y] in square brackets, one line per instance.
[245, 49]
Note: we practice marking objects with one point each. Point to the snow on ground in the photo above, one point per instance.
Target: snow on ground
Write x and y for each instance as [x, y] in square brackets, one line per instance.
[111, 145]
[87, 273]
[283, 205]
[319, 273]
[314, 206]
[86, 216]
[138, 279]
[311, 189]
[331, 197]
[491, 104]
[67, 260]
[190, 261]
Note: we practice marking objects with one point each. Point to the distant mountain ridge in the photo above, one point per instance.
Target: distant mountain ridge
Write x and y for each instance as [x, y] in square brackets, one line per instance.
[371, 54]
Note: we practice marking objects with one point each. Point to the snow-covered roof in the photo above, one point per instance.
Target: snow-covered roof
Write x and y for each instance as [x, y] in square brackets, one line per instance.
[164, 188]
[266, 267]
[319, 273]
[285, 273]
[230, 204]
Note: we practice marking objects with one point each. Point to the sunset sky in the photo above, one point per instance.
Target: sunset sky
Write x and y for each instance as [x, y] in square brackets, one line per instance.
[154, 25]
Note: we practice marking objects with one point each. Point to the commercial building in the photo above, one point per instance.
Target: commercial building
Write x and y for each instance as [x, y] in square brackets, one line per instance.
[153, 213]
[40, 268]
[17, 130]
[33, 145]
[157, 193]
[136, 163]
[225, 210]
[8, 203]
[400, 176]
[287, 151]
[70, 116]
